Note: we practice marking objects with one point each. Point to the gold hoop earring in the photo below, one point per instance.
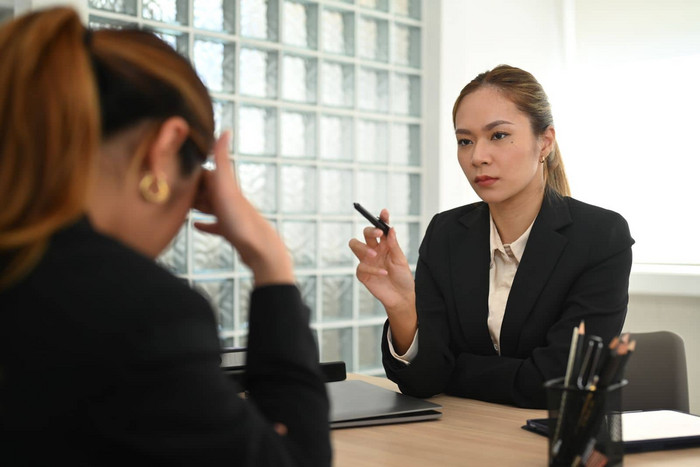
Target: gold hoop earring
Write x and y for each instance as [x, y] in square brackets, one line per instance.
[162, 190]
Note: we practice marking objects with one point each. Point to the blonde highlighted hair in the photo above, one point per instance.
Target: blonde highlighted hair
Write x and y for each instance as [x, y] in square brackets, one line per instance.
[49, 133]
[63, 89]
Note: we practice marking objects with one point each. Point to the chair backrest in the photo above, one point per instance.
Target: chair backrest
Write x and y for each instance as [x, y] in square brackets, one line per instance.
[657, 373]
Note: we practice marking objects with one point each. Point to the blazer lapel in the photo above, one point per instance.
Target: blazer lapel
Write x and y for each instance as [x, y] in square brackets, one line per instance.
[544, 247]
[469, 267]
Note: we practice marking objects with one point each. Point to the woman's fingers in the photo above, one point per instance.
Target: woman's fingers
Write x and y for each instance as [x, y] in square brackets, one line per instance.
[212, 228]
[280, 428]
[202, 200]
[213, 181]
[361, 250]
[221, 154]
[395, 252]
[237, 220]
[372, 235]
[384, 215]
[364, 268]
[358, 247]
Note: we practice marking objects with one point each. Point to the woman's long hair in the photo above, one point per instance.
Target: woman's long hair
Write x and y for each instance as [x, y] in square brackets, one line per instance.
[49, 133]
[63, 89]
[529, 97]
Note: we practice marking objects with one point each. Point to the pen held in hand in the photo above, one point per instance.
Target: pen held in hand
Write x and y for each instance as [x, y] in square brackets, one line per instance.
[375, 221]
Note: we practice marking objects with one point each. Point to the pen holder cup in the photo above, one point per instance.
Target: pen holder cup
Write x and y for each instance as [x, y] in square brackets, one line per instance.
[584, 424]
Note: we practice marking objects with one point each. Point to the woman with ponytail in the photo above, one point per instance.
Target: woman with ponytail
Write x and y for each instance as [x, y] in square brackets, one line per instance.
[500, 284]
[105, 357]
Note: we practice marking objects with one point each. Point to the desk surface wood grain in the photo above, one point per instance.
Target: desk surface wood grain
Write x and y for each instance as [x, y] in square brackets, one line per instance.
[469, 433]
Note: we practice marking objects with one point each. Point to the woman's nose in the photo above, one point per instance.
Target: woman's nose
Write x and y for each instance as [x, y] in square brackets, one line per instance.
[480, 154]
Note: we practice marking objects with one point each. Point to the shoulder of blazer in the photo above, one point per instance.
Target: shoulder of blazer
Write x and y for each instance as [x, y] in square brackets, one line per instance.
[444, 223]
[120, 279]
[465, 215]
[565, 210]
[555, 212]
[601, 230]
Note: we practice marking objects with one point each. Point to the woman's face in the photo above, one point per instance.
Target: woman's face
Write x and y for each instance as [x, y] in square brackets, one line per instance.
[497, 149]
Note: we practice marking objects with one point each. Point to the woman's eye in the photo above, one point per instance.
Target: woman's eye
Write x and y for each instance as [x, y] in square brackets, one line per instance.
[499, 135]
[464, 142]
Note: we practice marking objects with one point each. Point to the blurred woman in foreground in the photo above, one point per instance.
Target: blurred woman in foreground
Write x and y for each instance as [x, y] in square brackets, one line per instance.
[105, 357]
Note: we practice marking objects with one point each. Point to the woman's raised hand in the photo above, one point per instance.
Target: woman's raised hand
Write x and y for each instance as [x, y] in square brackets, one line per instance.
[384, 269]
[257, 242]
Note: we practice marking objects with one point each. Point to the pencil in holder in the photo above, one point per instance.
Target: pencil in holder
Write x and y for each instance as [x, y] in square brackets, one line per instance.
[585, 425]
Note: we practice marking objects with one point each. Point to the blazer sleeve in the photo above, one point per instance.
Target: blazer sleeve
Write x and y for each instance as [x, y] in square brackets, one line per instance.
[284, 377]
[177, 407]
[597, 293]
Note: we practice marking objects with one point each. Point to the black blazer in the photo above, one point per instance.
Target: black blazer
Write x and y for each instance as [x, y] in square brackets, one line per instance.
[575, 267]
[108, 359]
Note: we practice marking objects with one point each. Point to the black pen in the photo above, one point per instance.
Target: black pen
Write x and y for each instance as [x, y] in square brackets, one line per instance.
[589, 365]
[589, 423]
[576, 339]
[578, 357]
[376, 221]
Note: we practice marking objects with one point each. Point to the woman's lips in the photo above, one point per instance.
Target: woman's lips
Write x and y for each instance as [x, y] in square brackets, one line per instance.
[485, 180]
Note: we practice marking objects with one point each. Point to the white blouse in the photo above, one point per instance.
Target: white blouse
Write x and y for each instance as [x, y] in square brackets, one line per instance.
[504, 264]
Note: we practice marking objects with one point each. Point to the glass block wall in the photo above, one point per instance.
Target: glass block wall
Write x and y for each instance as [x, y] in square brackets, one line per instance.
[324, 98]
[7, 10]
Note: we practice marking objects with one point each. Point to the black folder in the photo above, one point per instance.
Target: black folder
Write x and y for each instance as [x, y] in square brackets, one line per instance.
[358, 403]
[353, 402]
[652, 430]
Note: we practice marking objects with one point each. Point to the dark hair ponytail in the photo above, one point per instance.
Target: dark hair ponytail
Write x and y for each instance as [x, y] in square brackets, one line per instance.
[140, 77]
[49, 133]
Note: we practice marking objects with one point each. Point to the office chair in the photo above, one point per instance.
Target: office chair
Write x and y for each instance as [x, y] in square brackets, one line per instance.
[657, 373]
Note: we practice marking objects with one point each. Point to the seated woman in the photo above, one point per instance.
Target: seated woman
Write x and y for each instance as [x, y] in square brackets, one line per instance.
[500, 284]
[105, 357]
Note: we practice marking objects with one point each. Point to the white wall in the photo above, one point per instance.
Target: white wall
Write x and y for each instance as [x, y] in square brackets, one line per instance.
[630, 94]
[476, 36]
[611, 31]
[554, 39]
[22, 6]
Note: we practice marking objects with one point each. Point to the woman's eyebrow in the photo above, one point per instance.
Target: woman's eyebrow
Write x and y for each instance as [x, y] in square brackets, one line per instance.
[495, 123]
[487, 127]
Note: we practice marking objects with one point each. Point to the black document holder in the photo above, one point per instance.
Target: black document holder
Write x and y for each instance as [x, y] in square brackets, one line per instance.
[657, 434]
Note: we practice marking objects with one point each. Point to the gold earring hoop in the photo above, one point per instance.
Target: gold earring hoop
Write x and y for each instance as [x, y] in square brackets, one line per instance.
[162, 190]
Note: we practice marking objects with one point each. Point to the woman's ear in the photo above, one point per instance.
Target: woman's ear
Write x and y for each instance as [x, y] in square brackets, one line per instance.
[547, 139]
[162, 157]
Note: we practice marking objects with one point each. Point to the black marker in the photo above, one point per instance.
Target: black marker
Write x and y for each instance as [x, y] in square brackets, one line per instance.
[377, 222]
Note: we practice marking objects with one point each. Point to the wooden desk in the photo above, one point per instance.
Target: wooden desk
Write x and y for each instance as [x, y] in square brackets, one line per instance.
[469, 433]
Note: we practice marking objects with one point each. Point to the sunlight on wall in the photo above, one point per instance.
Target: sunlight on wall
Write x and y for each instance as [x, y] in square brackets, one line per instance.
[628, 134]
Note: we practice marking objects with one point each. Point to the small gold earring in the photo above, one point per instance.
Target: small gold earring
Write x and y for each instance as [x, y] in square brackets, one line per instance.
[162, 190]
